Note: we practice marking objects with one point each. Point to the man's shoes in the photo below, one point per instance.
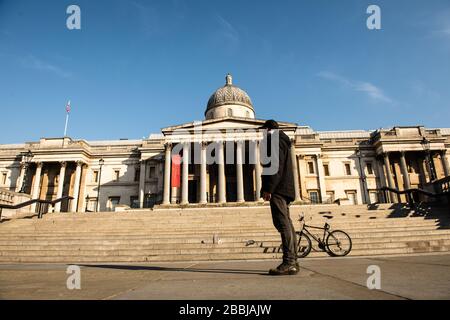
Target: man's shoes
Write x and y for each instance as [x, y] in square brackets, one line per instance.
[284, 269]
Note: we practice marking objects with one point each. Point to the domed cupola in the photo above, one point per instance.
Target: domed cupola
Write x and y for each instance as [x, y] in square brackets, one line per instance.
[229, 101]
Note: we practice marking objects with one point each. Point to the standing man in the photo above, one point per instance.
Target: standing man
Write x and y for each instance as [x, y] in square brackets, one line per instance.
[278, 188]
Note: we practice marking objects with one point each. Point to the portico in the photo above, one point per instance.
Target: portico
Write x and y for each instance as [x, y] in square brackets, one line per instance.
[407, 162]
[223, 179]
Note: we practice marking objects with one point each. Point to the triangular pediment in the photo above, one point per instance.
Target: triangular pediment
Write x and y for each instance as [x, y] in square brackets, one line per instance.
[226, 123]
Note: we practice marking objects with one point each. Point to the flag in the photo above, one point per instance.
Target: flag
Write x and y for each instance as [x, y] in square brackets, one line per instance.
[68, 107]
[176, 160]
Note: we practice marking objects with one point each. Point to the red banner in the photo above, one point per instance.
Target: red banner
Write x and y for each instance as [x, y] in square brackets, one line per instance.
[176, 170]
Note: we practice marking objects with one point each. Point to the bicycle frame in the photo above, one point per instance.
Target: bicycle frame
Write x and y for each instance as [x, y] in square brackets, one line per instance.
[326, 230]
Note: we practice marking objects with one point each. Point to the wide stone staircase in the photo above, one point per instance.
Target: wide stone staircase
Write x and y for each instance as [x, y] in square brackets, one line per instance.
[224, 233]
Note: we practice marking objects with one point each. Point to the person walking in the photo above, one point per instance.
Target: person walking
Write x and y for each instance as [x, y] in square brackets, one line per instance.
[278, 188]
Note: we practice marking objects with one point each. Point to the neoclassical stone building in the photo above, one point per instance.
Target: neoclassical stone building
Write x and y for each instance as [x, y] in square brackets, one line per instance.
[341, 166]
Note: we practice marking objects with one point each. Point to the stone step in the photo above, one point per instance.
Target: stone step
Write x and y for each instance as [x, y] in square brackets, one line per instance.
[118, 225]
[82, 247]
[187, 228]
[187, 234]
[190, 240]
[225, 215]
[206, 257]
[236, 212]
[69, 252]
[209, 234]
[187, 224]
[269, 232]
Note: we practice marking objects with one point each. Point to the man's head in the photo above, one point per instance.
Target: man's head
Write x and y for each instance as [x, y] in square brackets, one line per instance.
[270, 125]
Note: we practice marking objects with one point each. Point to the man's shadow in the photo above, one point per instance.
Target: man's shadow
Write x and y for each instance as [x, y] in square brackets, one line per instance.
[156, 268]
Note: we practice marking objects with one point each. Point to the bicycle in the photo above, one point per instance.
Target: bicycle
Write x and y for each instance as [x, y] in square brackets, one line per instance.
[335, 243]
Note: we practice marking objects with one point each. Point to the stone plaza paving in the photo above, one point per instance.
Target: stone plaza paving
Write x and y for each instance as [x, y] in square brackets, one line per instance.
[425, 276]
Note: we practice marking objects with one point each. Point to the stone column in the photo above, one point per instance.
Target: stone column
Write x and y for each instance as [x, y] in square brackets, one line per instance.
[434, 164]
[76, 188]
[428, 161]
[445, 165]
[239, 172]
[168, 157]
[59, 193]
[295, 171]
[387, 165]
[360, 163]
[381, 177]
[185, 175]
[422, 174]
[21, 176]
[321, 177]
[203, 173]
[404, 168]
[82, 202]
[142, 183]
[258, 181]
[221, 174]
[302, 170]
[36, 185]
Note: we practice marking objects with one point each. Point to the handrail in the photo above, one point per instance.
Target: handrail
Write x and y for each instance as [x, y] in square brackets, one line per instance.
[32, 201]
[411, 190]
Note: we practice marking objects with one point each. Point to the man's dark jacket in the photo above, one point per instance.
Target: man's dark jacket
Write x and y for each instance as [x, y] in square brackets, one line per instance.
[282, 182]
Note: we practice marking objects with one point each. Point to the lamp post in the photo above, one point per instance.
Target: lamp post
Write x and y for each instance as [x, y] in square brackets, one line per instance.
[362, 174]
[26, 159]
[426, 145]
[100, 162]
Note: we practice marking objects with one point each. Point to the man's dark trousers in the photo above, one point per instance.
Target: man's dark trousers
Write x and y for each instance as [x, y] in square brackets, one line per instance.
[283, 223]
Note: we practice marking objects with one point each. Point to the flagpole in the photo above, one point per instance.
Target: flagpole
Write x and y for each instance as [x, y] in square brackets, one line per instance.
[65, 127]
[67, 118]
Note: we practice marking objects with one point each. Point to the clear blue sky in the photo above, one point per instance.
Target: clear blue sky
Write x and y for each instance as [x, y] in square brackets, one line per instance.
[138, 66]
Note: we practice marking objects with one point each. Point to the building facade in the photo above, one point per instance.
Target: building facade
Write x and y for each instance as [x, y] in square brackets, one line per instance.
[328, 166]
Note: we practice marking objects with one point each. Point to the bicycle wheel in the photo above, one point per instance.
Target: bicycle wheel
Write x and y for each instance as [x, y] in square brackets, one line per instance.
[338, 243]
[303, 245]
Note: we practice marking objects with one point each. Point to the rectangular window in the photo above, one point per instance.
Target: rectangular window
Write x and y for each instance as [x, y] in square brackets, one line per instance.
[351, 195]
[134, 202]
[113, 202]
[137, 174]
[369, 168]
[314, 196]
[4, 175]
[326, 170]
[91, 204]
[152, 172]
[311, 167]
[330, 196]
[95, 176]
[373, 195]
[348, 170]
[116, 175]
[150, 200]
